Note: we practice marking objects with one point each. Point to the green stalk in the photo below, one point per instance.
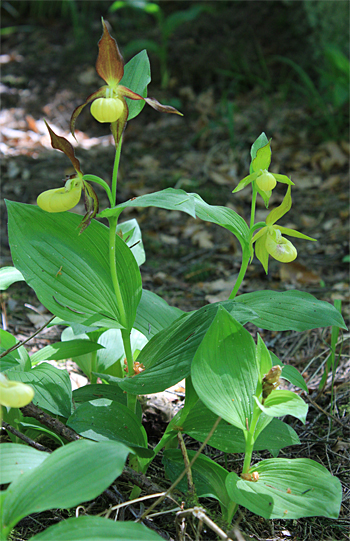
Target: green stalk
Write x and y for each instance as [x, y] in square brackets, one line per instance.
[252, 211]
[241, 275]
[250, 440]
[115, 172]
[131, 399]
[245, 250]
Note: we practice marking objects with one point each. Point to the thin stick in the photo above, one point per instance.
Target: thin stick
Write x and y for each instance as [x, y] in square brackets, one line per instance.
[19, 344]
[199, 513]
[325, 412]
[54, 424]
[25, 438]
[190, 483]
[159, 500]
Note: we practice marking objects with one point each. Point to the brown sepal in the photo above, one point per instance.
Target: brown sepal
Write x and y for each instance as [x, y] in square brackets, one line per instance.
[60, 143]
[110, 63]
[91, 206]
[161, 108]
[118, 126]
[98, 94]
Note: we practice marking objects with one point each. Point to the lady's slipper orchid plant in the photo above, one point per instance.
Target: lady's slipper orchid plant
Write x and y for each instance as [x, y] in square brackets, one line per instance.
[108, 103]
[61, 199]
[269, 240]
[264, 181]
[14, 394]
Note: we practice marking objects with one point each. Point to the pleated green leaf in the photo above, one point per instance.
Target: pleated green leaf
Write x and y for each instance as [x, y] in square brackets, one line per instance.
[16, 459]
[96, 529]
[64, 350]
[229, 438]
[168, 356]
[290, 310]
[52, 386]
[69, 272]
[289, 489]
[75, 473]
[281, 402]
[208, 476]
[137, 75]
[102, 420]
[154, 314]
[225, 372]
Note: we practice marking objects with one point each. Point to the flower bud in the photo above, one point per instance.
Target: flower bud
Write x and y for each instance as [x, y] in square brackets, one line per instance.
[266, 181]
[107, 109]
[271, 381]
[14, 394]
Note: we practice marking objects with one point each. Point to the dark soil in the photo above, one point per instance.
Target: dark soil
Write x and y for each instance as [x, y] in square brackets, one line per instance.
[47, 73]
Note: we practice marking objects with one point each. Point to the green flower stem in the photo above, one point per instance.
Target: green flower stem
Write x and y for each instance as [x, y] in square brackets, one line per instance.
[115, 173]
[252, 211]
[245, 261]
[131, 399]
[250, 440]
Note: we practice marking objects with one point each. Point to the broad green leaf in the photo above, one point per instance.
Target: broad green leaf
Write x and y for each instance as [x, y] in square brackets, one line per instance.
[137, 75]
[16, 459]
[224, 370]
[18, 359]
[289, 489]
[8, 276]
[280, 403]
[168, 356]
[230, 439]
[223, 216]
[75, 473]
[208, 476]
[32, 428]
[95, 391]
[192, 204]
[64, 350]
[53, 390]
[69, 272]
[96, 529]
[291, 374]
[109, 358]
[131, 234]
[169, 199]
[290, 310]
[263, 358]
[102, 420]
[154, 314]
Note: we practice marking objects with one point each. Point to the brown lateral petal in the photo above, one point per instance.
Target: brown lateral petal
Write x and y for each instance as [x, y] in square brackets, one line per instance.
[118, 126]
[110, 64]
[91, 206]
[162, 108]
[100, 93]
[127, 93]
[60, 143]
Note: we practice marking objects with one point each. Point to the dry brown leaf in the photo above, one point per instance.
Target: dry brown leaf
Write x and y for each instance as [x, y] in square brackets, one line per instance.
[296, 272]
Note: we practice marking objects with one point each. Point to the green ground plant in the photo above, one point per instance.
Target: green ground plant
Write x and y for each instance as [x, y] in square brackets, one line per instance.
[88, 276]
[166, 26]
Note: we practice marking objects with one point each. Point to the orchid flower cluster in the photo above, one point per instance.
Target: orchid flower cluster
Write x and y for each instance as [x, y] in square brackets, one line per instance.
[108, 105]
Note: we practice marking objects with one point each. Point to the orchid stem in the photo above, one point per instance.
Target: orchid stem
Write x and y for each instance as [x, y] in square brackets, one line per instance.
[113, 221]
[115, 172]
[252, 211]
[241, 275]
